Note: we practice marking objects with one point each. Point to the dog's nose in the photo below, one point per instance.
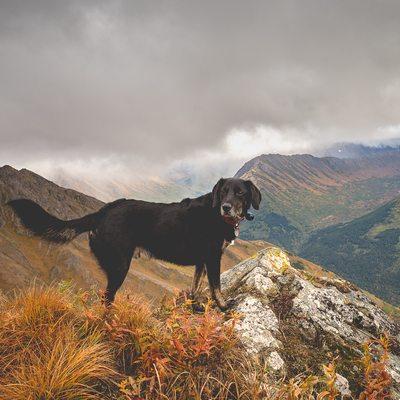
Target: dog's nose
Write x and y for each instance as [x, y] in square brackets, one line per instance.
[226, 207]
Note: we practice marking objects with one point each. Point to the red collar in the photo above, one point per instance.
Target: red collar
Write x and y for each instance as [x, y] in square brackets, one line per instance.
[232, 221]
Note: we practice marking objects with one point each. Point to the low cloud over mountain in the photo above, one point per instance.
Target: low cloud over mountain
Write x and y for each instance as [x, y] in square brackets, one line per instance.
[137, 85]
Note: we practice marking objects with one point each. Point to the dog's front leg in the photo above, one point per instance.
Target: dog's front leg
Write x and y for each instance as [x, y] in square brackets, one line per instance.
[213, 267]
[197, 278]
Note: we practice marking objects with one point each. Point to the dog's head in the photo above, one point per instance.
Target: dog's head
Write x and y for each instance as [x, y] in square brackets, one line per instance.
[233, 197]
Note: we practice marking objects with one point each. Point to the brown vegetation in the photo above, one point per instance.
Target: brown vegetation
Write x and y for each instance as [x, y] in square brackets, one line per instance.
[55, 344]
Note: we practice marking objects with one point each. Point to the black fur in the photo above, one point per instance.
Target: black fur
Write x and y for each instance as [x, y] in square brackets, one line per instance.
[192, 232]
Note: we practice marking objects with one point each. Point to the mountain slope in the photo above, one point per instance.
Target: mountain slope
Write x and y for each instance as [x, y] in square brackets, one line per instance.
[302, 193]
[365, 250]
[24, 258]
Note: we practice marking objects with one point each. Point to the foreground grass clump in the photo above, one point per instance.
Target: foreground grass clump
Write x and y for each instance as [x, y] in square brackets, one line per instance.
[47, 351]
[59, 345]
[55, 344]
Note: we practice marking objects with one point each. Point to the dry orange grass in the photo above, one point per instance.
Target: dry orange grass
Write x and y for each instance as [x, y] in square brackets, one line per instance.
[194, 356]
[57, 345]
[45, 352]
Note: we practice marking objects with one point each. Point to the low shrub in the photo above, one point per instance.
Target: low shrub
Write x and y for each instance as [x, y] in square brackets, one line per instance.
[59, 345]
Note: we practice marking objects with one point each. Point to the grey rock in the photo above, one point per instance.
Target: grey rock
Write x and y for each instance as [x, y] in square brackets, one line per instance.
[274, 299]
[275, 361]
[342, 385]
[258, 325]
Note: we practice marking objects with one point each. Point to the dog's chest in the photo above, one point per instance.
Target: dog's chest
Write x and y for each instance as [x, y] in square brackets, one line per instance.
[230, 236]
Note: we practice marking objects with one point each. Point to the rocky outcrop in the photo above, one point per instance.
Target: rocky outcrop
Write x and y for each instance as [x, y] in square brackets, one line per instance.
[296, 321]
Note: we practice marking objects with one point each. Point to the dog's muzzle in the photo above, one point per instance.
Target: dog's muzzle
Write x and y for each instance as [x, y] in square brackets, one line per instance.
[229, 213]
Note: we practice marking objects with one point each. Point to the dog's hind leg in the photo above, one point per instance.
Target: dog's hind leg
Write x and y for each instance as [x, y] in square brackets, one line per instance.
[115, 279]
[114, 258]
[213, 267]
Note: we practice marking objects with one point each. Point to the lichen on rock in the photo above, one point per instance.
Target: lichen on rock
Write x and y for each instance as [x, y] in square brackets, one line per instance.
[295, 323]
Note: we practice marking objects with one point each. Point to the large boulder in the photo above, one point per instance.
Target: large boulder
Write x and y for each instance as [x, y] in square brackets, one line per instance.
[296, 322]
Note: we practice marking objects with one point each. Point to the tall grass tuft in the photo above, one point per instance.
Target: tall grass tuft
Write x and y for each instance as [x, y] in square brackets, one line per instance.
[59, 345]
[45, 352]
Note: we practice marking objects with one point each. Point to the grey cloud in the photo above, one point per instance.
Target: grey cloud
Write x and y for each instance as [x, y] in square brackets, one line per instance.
[156, 81]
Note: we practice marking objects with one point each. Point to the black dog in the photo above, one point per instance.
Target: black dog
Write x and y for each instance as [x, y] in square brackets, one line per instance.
[192, 232]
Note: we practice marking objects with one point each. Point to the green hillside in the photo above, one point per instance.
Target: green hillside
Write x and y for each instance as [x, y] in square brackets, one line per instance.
[365, 250]
[303, 193]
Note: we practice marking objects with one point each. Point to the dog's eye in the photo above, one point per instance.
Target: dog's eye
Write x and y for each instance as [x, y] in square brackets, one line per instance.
[240, 193]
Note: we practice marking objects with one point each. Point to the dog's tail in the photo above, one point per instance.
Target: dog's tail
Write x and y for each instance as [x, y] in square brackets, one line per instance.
[51, 228]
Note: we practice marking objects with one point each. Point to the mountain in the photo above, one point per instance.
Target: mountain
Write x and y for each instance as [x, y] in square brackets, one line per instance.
[365, 250]
[303, 193]
[24, 258]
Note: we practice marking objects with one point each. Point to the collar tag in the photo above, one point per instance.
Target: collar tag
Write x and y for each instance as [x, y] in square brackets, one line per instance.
[237, 231]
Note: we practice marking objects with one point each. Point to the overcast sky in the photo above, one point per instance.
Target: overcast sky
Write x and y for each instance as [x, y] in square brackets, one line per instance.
[148, 83]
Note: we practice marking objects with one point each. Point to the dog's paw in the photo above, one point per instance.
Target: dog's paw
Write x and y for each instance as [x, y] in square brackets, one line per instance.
[226, 305]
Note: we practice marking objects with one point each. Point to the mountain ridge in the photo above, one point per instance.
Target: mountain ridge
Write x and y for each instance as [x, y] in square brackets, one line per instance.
[322, 171]
[311, 193]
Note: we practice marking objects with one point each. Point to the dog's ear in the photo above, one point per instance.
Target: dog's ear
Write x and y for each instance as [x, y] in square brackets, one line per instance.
[216, 191]
[255, 195]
